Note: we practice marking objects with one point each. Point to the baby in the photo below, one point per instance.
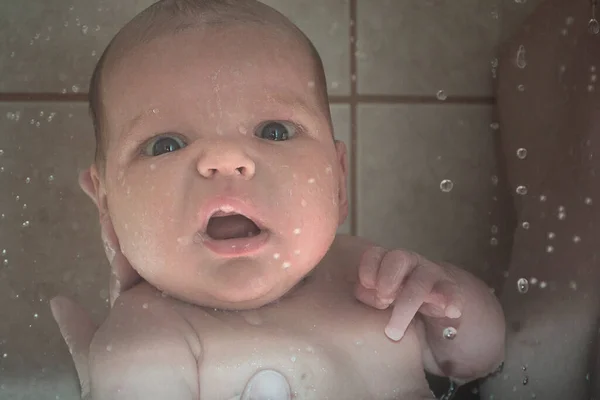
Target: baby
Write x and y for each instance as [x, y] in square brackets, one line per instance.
[217, 168]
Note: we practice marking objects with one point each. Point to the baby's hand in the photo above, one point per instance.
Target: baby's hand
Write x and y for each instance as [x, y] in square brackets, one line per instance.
[409, 282]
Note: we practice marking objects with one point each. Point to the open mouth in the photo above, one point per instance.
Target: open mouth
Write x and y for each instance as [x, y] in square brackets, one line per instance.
[223, 226]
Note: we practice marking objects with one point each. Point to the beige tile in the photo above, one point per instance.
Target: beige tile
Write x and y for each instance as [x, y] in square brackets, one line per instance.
[53, 46]
[49, 231]
[421, 47]
[404, 153]
[326, 23]
[340, 114]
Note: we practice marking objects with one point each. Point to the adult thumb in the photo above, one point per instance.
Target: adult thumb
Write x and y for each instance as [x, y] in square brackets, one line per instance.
[77, 330]
[267, 384]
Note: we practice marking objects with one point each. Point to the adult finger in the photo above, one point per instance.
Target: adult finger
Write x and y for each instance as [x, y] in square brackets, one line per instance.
[395, 267]
[267, 384]
[369, 266]
[77, 330]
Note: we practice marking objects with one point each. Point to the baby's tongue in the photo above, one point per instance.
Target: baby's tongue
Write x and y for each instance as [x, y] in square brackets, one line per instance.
[231, 226]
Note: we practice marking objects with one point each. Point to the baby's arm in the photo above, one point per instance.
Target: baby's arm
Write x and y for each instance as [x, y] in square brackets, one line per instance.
[478, 347]
[144, 351]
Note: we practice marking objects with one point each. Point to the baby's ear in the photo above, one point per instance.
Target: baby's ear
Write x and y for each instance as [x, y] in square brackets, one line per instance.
[342, 157]
[91, 184]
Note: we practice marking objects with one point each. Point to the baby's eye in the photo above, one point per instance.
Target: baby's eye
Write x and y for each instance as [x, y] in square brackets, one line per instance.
[163, 144]
[277, 131]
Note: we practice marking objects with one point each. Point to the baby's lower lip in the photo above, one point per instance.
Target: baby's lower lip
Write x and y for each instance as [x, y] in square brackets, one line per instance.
[234, 247]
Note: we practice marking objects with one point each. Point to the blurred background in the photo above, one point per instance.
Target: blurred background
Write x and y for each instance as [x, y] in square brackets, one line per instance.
[412, 95]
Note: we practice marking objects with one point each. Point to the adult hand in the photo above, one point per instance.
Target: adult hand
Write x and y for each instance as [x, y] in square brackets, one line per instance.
[75, 324]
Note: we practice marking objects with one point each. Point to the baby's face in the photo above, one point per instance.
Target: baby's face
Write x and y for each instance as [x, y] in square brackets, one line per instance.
[205, 127]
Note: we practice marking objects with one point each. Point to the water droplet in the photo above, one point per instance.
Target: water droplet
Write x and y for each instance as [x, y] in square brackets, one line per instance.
[50, 178]
[109, 348]
[25, 224]
[5, 262]
[1, 152]
[543, 284]
[446, 185]
[35, 315]
[94, 53]
[276, 256]
[521, 62]
[494, 62]
[75, 88]
[286, 265]
[588, 201]
[494, 229]
[594, 26]
[551, 235]
[521, 88]
[576, 239]
[523, 285]
[3, 252]
[145, 306]
[441, 95]
[494, 241]
[549, 249]
[564, 32]
[569, 21]
[573, 285]
[297, 231]
[311, 180]
[591, 88]
[4, 355]
[525, 380]
[522, 190]
[525, 225]
[27, 180]
[562, 215]
[522, 153]
[494, 180]
[543, 198]
[293, 358]
[97, 28]
[450, 333]
[24, 206]
[593, 78]
[533, 280]
[495, 126]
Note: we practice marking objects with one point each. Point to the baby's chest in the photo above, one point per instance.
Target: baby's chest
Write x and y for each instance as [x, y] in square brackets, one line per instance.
[326, 347]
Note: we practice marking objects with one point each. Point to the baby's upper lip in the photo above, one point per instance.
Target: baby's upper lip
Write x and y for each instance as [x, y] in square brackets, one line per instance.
[228, 205]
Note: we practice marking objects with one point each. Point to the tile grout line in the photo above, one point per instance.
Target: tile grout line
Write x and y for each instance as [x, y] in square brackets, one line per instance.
[18, 97]
[353, 117]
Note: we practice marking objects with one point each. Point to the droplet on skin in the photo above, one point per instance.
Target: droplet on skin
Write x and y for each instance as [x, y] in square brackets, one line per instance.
[311, 84]
[145, 306]
[297, 231]
[450, 332]
[311, 180]
[297, 252]
[446, 185]
[303, 203]
[109, 348]
[286, 265]
[152, 167]
[522, 285]
[276, 256]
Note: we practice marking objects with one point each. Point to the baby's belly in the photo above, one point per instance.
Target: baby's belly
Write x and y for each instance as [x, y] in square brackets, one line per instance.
[321, 357]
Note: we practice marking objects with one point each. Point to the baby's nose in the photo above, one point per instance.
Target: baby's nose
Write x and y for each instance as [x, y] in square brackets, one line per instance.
[227, 162]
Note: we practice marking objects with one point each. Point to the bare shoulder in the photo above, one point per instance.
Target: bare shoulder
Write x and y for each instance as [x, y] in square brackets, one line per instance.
[144, 348]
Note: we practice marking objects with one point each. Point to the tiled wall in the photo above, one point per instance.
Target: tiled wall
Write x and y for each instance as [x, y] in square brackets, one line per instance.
[411, 88]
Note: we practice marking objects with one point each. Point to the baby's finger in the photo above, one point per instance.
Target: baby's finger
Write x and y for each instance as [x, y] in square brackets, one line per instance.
[395, 267]
[415, 291]
[369, 266]
[369, 297]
